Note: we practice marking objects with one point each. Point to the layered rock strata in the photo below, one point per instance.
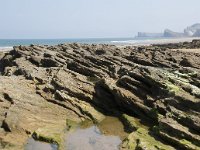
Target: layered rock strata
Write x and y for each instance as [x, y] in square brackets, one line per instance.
[45, 88]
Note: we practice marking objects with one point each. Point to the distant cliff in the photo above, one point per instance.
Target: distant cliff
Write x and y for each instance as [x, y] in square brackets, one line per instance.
[170, 33]
[146, 34]
[191, 31]
[197, 33]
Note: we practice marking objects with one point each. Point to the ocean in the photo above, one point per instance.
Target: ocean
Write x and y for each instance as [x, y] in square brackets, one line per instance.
[9, 43]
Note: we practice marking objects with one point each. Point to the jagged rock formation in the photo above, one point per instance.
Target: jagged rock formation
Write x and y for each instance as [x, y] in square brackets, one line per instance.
[44, 87]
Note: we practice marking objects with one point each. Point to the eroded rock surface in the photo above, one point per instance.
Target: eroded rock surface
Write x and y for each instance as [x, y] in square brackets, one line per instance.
[42, 88]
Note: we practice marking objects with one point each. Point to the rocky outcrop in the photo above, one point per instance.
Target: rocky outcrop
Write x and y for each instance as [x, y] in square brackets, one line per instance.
[45, 88]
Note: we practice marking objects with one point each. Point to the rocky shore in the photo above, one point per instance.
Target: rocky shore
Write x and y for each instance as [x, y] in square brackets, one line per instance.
[45, 90]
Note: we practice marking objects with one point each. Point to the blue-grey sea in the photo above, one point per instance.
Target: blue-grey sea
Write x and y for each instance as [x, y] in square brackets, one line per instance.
[14, 42]
[6, 43]
[9, 43]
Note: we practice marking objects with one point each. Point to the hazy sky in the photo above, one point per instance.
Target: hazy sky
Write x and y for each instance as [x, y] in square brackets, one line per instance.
[93, 18]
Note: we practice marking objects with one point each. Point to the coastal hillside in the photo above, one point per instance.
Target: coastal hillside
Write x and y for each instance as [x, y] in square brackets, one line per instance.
[46, 91]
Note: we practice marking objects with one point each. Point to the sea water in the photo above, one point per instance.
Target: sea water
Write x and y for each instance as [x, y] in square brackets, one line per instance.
[9, 43]
[13, 42]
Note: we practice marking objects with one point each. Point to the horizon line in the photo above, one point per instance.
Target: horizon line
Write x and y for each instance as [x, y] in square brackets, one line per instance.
[63, 38]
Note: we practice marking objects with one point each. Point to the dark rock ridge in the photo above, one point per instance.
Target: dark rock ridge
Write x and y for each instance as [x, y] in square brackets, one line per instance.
[45, 88]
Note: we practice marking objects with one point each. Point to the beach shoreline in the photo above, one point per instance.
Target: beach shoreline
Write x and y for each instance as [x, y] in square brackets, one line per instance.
[148, 42]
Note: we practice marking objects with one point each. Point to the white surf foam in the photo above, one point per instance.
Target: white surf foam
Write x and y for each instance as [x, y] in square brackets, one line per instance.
[154, 41]
[128, 41]
[6, 48]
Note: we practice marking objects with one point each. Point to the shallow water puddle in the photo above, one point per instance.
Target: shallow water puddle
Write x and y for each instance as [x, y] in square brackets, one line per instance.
[107, 135]
[37, 145]
[112, 126]
[91, 139]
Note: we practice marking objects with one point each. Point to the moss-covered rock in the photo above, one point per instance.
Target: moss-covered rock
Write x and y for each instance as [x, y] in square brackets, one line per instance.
[53, 134]
[130, 123]
[142, 140]
[70, 124]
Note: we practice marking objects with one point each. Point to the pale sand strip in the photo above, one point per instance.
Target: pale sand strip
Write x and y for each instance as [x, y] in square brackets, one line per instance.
[187, 50]
[158, 41]
[173, 40]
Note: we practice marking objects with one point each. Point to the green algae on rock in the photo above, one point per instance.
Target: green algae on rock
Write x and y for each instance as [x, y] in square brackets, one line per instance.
[141, 139]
